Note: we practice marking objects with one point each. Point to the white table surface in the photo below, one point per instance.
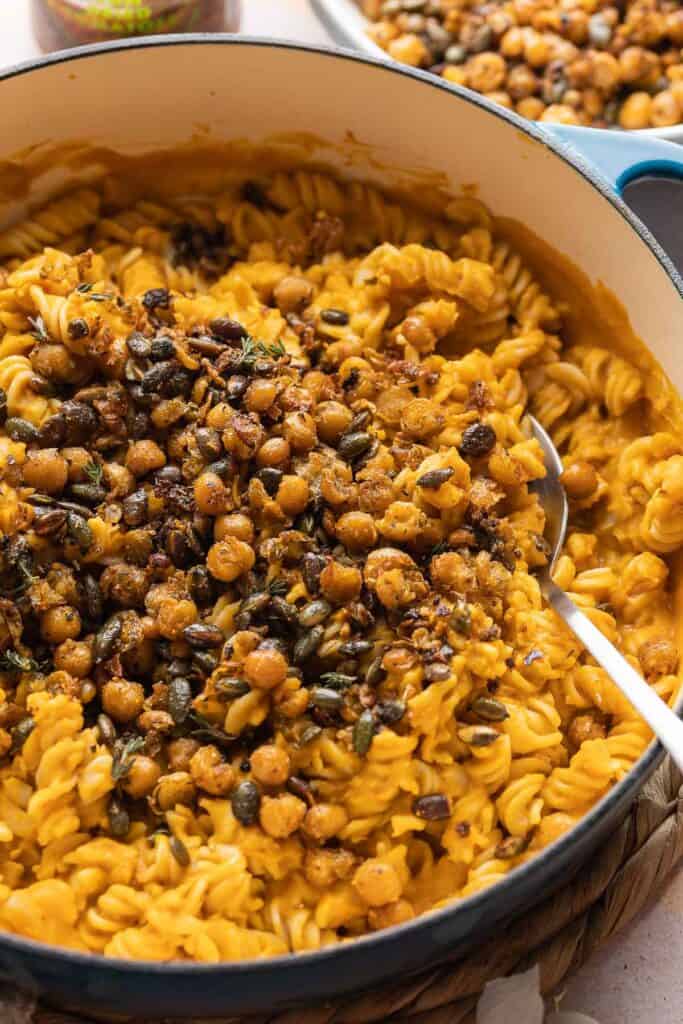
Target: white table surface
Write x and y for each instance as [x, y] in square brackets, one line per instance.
[638, 977]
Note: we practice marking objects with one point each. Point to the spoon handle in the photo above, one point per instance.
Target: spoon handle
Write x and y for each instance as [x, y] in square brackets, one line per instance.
[662, 720]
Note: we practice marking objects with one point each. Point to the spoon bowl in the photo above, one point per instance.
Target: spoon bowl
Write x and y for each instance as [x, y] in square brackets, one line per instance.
[662, 720]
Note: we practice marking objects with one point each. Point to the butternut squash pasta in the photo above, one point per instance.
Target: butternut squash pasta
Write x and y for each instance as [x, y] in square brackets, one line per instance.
[275, 666]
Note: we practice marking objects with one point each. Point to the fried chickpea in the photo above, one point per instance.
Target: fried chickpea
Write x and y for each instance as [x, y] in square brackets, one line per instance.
[665, 110]
[332, 419]
[123, 701]
[408, 49]
[210, 494]
[173, 789]
[356, 531]
[210, 772]
[143, 457]
[280, 816]
[275, 451]
[418, 334]
[530, 107]
[323, 821]
[455, 74]
[260, 395]
[291, 293]
[635, 111]
[536, 50]
[74, 657]
[390, 915]
[265, 668]
[299, 429]
[421, 418]
[270, 765]
[323, 868]
[234, 524]
[292, 494]
[586, 726]
[658, 657]
[340, 583]
[230, 558]
[579, 480]
[180, 753]
[560, 113]
[522, 82]
[377, 883]
[486, 71]
[142, 777]
[155, 721]
[606, 72]
[59, 624]
[55, 362]
[46, 470]
[174, 615]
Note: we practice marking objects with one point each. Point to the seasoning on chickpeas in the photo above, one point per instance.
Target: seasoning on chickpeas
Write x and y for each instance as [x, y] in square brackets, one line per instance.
[265, 668]
[270, 765]
[377, 883]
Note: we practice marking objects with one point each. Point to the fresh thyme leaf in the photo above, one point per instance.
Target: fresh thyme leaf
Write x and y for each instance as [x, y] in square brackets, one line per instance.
[252, 350]
[39, 332]
[123, 758]
[94, 473]
[13, 661]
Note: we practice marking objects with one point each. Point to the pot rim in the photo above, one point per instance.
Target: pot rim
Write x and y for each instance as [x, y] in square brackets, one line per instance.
[344, 20]
[633, 780]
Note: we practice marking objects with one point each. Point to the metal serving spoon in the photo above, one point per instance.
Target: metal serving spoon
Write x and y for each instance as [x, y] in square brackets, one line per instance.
[662, 720]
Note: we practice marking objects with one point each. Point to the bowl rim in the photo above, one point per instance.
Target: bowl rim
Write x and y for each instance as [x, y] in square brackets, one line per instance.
[635, 777]
[345, 21]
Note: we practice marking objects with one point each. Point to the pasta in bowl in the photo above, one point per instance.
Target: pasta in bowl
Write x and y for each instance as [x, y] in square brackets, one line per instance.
[276, 670]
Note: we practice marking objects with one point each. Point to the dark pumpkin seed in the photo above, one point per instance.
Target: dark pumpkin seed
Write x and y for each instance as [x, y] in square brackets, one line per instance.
[231, 687]
[209, 443]
[106, 638]
[202, 634]
[20, 733]
[205, 662]
[156, 298]
[271, 479]
[138, 345]
[337, 680]
[162, 348]
[307, 644]
[434, 807]
[391, 711]
[119, 819]
[283, 611]
[311, 567]
[79, 530]
[363, 732]
[50, 522]
[314, 613]
[52, 433]
[91, 494]
[227, 329]
[179, 851]
[354, 648]
[434, 478]
[326, 698]
[200, 585]
[511, 847]
[353, 445]
[106, 730]
[179, 699]
[301, 788]
[245, 802]
[437, 672]
[375, 673]
[255, 603]
[93, 598]
[490, 709]
[3, 405]
[78, 328]
[19, 429]
[477, 440]
[310, 733]
[335, 317]
[478, 735]
[135, 508]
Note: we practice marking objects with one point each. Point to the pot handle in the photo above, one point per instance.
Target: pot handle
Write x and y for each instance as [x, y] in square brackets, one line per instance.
[621, 158]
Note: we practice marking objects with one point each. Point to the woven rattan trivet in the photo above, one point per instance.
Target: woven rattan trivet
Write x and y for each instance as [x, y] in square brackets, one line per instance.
[559, 934]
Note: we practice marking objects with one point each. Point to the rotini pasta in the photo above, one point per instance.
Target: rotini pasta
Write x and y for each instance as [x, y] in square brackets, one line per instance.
[275, 669]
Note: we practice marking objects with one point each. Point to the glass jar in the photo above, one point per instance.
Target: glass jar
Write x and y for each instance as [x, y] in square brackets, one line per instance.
[62, 23]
